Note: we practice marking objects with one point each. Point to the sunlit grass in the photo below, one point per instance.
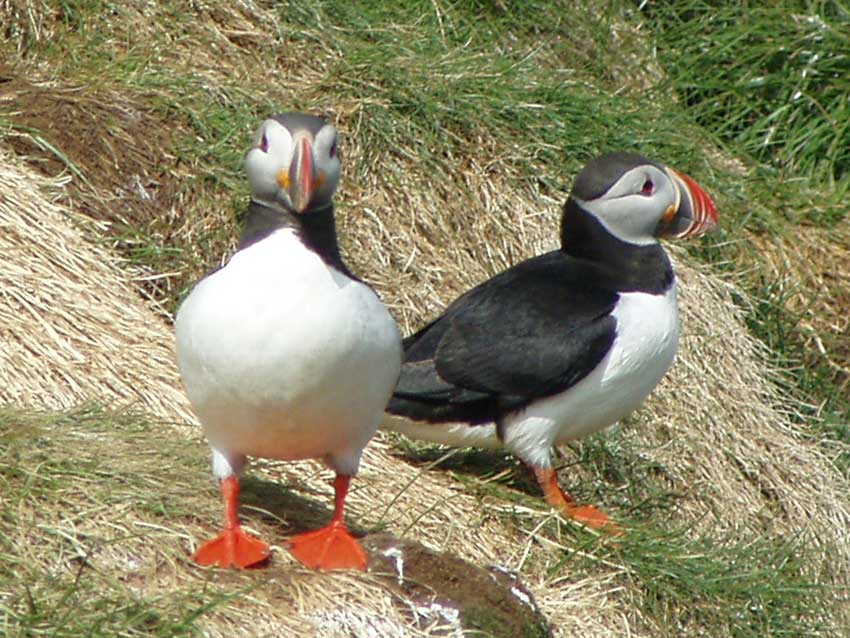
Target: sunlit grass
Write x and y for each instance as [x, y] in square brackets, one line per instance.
[539, 87]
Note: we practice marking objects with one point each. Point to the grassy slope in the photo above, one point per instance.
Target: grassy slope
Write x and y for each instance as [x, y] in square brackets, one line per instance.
[99, 508]
[771, 85]
[78, 488]
[432, 83]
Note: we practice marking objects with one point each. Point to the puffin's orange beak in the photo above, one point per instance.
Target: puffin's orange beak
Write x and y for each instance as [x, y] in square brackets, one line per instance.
[302, 175]
[694, 215]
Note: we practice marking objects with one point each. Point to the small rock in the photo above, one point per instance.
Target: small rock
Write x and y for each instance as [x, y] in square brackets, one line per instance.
[491, 601]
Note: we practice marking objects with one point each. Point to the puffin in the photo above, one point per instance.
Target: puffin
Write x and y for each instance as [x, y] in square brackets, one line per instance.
[284, 353]
[568, 342]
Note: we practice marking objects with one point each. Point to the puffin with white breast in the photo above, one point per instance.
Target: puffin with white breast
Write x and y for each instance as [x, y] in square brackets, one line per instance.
[566, 343]
[283, 352]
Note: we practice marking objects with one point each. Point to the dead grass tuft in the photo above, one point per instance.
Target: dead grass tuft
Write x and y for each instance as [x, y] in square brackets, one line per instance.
[723, 433]
[73, 330]
[811, 280]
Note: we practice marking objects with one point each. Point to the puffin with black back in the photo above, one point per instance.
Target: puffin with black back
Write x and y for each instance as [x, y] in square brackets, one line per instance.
[284, 353]
[566, 343]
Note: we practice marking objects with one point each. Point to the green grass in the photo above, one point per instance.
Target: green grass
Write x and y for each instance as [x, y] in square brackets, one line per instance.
[78, 489]
[719, 587]
[769, 83]
[421, 83]
[681, 581]
[52, 607]
[429, 83]
[427, 80]
[426, 84]
[769, 80]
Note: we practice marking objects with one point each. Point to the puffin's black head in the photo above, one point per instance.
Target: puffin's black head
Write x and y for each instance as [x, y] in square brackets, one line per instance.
[638, 200]
[294, 162]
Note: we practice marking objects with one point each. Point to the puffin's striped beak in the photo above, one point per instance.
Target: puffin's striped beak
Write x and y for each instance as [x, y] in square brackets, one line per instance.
[302, 175]
[694, 215]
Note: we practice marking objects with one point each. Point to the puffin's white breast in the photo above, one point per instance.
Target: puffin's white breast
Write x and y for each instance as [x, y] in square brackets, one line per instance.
[282, 356]
[644, 348]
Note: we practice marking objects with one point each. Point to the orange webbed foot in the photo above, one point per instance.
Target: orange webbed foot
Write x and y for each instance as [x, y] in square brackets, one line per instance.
[232, 548]
[592, 517]
[585, 514]
[331, 547]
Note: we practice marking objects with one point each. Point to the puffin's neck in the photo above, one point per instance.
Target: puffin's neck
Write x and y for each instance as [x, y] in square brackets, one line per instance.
[628, 267]
[315, 226]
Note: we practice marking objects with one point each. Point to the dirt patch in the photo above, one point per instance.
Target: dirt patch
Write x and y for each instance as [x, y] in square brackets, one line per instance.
[117, 156]
[117, 151]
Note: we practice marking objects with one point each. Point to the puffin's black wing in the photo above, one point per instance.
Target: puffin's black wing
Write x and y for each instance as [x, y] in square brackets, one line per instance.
[532, 331]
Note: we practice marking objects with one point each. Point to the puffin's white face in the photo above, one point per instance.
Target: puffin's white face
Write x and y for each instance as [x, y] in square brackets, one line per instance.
[634, 205]
[294, 162]
[649, 201]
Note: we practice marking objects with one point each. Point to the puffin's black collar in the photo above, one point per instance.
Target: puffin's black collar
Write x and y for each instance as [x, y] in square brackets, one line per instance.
[315, 226]
[628, 267]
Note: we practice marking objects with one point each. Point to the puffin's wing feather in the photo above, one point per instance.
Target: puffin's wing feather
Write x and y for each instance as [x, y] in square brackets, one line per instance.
[533, 366]
[530, 332]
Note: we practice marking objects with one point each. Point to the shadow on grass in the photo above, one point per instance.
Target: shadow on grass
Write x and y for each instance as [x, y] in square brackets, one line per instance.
[287, 510]
[600, 471]
[491, 466]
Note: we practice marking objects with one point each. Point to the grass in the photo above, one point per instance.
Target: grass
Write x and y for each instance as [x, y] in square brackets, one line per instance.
[85, 502]
[825, 410]
[741, 589]
[770, 81]
[98, 504]
[531, 90]
[413, 80]
[769, 85]
[681, 581]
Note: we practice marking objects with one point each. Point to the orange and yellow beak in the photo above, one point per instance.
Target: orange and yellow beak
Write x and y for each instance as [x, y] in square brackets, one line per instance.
[692, 216]
[300, 180]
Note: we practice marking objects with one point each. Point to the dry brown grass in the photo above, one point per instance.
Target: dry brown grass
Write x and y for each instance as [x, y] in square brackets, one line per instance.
[73, 329]
[723, 430]
[810, 275]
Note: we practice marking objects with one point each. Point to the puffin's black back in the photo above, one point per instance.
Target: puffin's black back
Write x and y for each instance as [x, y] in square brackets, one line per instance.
[529, 332]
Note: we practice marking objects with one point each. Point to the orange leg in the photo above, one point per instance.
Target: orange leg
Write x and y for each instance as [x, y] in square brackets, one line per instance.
[332, 546]
[557, 498]
[232, 547]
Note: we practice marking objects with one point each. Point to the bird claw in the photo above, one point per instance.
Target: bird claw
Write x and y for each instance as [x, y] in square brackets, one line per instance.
[592, 517]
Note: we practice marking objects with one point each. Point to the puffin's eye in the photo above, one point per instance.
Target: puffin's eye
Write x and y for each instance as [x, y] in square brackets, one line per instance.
[264, 144]
[332, 151]
[648, 188]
